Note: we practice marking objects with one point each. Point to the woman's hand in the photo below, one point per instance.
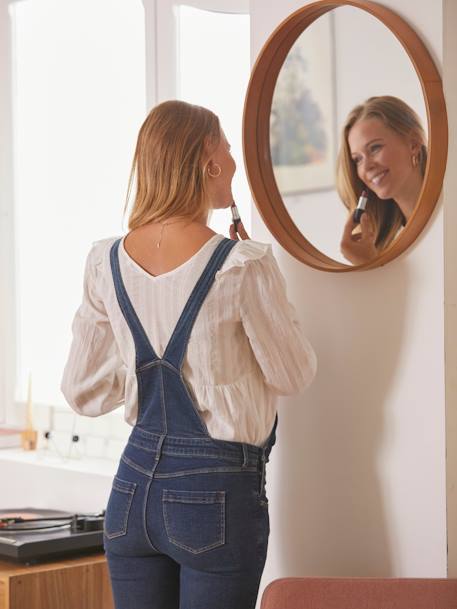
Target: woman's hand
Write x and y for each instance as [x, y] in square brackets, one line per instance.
[360, 247]
[242, 234]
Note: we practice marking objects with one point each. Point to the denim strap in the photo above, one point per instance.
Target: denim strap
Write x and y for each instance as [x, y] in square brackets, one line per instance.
[176, 348]
[265, 451]
[271, 440]
[144, 352]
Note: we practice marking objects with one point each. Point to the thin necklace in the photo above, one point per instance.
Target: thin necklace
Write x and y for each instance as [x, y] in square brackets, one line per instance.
[163, 225]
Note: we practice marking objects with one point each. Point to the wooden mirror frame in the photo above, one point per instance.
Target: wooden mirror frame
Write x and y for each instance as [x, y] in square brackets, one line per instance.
[256, 133]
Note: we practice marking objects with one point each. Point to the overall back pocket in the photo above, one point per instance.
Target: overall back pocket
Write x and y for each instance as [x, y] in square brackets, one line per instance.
[194, 520]
[119, 503]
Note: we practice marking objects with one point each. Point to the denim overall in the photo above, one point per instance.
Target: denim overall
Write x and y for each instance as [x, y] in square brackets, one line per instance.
[187, 522]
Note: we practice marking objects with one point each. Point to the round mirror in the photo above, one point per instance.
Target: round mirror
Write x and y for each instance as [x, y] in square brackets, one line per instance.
[345, 135]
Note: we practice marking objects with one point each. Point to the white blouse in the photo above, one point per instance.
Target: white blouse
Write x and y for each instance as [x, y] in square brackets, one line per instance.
[245, 349]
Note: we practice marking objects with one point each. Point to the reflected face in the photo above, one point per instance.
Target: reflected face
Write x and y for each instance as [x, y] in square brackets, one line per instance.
[383, 158]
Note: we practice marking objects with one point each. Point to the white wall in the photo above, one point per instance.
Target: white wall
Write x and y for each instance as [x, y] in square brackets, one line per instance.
[450, 248]
[357, 480]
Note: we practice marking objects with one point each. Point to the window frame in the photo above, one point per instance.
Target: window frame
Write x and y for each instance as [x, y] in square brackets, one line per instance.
[8, 363]
[165, 36]
[12, 410]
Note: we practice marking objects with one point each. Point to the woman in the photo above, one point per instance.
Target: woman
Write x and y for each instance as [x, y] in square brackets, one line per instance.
[384, 152]
[194, 332]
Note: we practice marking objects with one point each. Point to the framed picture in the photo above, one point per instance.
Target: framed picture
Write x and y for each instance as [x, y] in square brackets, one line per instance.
[303, 121]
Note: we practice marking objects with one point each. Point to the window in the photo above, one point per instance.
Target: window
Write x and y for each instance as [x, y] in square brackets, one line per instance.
[83, 76]
[79, 100]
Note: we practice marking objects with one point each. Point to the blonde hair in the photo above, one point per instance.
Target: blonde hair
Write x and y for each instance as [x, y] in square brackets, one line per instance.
[398, 116]
[170, 163]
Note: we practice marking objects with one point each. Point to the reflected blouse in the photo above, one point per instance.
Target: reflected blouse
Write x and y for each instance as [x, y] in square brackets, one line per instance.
[245, 349]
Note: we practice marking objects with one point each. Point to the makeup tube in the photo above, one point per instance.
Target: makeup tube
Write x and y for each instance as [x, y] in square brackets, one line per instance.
[235, 216]
[361, 205]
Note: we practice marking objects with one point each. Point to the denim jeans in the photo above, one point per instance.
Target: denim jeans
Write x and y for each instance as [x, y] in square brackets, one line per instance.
[187, 522]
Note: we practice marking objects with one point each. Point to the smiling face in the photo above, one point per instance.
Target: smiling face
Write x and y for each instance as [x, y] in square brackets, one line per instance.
[383, 158]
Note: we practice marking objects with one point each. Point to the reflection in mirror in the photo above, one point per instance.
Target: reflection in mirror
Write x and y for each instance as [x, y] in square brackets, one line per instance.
[383, 155]
[320, 128]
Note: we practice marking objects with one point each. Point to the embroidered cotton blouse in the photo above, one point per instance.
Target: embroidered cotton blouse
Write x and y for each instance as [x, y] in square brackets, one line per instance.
[245, 349]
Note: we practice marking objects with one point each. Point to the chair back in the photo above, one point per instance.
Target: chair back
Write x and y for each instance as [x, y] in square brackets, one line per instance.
[359, 593]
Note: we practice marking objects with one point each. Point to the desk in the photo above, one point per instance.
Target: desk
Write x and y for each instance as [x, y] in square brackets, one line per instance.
[74, 583]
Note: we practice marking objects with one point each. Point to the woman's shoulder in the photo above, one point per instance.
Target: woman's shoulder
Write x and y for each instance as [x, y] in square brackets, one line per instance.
[244, 253]
[99, 251]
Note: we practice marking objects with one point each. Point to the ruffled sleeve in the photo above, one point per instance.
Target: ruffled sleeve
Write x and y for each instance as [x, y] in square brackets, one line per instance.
[285, 356]
[93, 381]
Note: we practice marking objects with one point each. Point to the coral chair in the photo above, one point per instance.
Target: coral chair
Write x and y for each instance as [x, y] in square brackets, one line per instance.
[360, 593]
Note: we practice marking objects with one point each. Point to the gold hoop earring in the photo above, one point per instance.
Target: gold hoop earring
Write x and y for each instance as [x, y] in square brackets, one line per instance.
[215, 175]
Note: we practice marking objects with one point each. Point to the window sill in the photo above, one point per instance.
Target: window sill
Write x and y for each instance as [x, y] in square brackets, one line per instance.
[41, 458]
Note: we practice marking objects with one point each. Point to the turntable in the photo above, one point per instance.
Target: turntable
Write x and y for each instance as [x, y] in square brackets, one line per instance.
[31, 535]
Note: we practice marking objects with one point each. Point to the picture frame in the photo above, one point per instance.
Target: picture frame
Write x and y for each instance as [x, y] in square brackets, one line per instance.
[303, 113]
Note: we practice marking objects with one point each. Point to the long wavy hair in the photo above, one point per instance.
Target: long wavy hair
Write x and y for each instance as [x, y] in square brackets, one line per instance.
[386, 216]
[170, 161]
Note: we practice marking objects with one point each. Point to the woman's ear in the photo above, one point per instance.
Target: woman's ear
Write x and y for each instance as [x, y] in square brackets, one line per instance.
[209, 146]
[213, 169]
[208, 154]
[415, 146]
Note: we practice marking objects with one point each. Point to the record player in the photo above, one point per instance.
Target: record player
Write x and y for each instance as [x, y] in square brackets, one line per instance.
[30, 535]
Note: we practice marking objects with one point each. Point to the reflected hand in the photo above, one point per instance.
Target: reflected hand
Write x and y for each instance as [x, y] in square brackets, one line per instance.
[359, 248]
[242, 234]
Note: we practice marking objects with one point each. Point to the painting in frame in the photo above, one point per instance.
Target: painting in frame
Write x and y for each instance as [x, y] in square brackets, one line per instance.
[303, 113]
